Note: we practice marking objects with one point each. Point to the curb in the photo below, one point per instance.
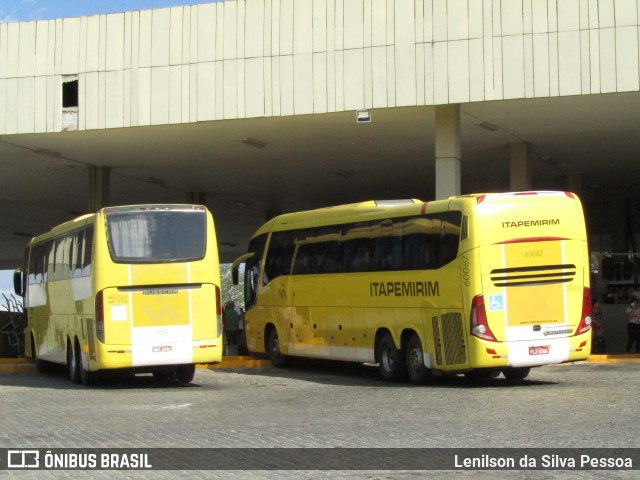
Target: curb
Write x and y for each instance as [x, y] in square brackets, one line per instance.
[20, 365]
[621, 358]
[15, 365]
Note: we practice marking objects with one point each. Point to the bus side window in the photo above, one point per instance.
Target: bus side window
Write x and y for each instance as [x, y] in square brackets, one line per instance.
[50, 253]
[36, 264]
[77, 253]
[87, 245]
[279, 256]
[252, 271]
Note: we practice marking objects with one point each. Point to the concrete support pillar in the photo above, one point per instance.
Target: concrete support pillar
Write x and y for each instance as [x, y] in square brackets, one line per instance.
[99, 188]
[197, 198]
[519, 172]
[447, 151]
[618, 224]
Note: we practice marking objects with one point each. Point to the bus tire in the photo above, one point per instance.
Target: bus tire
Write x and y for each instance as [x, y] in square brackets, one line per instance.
[516, 374]
[86, 377]
[479, 375]
[42, 366]
[185, 373]
[72, 364]
[275, 353]
[391, 362]
[162, 375]
[416, 370]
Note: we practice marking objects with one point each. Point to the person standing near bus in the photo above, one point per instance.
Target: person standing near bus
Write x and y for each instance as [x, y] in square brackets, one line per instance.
[633, 327]
[231, 323]
[598, 342]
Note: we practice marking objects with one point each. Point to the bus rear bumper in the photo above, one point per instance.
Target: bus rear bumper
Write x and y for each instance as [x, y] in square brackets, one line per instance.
[150, 355]
[529, 353]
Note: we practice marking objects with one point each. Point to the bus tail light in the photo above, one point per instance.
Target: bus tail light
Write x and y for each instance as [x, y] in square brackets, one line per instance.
[100, 316]
[479, 324]
[585, 318]
[218, 310]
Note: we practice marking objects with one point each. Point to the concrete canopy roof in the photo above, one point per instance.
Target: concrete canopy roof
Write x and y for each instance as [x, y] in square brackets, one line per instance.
[313, 161]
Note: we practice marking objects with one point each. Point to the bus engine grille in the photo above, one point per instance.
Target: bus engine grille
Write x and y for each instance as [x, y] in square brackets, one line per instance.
[538, 275]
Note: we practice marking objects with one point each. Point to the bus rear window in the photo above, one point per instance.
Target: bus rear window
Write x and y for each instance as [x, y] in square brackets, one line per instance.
[156, 235]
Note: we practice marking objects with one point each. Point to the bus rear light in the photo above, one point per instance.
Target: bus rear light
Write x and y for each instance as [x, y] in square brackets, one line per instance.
[99, 312]
[479, 324]
[218, 311]
[585, 318]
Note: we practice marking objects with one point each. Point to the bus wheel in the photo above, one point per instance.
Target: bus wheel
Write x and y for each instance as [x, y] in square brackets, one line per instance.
[72, 364]
[41, 365]
[162, 375]
[515, 374]
[185, 373]
[275, 354]
[416, 369]
[86, 377]
[476, 375]
[390, 360]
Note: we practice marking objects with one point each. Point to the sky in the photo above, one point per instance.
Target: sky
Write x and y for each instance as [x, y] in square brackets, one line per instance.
[27, 10]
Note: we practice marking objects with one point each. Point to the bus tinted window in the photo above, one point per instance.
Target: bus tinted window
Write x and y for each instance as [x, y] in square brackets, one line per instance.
[143, 236]
[279, 255]
[86, 248]
[416, 243]
[252, 270]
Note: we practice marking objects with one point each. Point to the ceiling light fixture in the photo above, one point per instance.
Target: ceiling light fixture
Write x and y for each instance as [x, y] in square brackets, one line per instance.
[344, 173]
[252, 142]
[490, 127]
[48, 153]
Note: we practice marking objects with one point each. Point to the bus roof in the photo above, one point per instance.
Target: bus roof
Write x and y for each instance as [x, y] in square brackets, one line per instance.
[341, 214]
[64, 227]
[371, 209]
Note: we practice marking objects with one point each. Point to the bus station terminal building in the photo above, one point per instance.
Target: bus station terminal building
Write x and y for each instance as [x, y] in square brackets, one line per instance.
[259, 107]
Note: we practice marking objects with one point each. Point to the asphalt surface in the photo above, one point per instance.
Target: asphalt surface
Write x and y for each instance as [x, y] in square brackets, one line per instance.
[325, 405]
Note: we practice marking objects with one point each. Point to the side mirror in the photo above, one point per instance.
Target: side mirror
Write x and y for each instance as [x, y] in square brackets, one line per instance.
[18, 282]
[236, 265]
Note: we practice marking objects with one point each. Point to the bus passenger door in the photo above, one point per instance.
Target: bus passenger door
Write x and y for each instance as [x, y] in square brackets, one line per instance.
[307, 327]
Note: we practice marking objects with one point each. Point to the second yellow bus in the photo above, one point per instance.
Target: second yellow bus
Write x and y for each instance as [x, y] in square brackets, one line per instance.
[475, 284]
[132, 287]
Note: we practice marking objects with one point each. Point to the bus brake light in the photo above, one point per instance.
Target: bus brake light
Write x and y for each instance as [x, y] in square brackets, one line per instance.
[100, 316]
[479, 324]
[585, 318]
[218, 311]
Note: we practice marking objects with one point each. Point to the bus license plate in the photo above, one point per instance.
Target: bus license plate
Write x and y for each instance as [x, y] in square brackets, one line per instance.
[162, 349]
[542, 350]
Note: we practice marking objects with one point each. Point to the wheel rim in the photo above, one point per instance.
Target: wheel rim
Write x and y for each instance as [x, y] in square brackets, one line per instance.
[415, 362]
[388, 358]
[275, 346]
[71, 359]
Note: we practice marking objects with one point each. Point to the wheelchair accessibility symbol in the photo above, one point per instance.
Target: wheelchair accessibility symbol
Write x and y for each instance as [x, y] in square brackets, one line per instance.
[496, 302]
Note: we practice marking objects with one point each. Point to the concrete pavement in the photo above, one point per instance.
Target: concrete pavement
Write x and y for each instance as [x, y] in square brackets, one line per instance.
[8, 365]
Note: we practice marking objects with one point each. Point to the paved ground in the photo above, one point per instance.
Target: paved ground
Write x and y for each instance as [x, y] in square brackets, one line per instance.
[326, 406]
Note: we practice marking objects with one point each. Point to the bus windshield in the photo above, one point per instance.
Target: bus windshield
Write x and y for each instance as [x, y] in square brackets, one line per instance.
[158, 235]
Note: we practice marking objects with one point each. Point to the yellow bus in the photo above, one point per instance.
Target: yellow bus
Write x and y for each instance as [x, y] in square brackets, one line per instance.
[475, 284]
[129, 287]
